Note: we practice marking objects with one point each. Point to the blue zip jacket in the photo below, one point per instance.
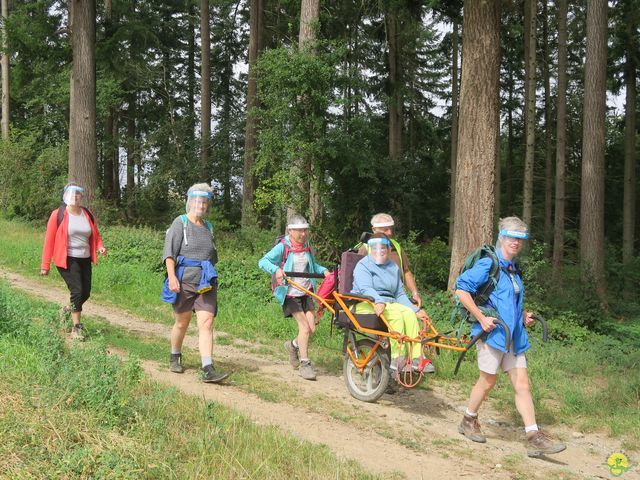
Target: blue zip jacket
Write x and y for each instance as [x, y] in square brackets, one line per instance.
[383, 282]
[503, 299]
[208, 278]
[272, 260]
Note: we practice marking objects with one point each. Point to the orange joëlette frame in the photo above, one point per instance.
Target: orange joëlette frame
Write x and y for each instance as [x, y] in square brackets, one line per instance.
[429, 336]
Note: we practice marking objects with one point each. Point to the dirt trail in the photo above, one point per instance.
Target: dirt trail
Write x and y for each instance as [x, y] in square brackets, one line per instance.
[412, 432]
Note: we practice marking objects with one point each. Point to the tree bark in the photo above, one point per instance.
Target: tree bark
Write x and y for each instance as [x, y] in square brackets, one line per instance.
[454, 127]
[205, 91]
[191, 72]
[629, 194]
[131, 155]
[593, 141]
[561, 141]
[5, 72]
[249, 184]
[111, 124]
[530, 107]
[303, 171]
[548, 162]
[479, 106]
[508, 174]
[83, 166]
[396, 101]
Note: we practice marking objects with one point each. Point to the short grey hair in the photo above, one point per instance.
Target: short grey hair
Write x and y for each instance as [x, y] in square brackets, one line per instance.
[380, 218]
[296, 219]
[510, 223]
[200, 187]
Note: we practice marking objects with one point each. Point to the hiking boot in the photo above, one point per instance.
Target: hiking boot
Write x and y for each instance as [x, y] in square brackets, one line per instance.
[425, 364]
[209, 375]
[294, 353]
[540, 443]
[306, 371]
[470, 428]
[175, 363]
[78, 332]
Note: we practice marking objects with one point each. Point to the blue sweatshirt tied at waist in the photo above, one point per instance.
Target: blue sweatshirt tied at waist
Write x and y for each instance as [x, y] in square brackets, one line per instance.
[207, 279]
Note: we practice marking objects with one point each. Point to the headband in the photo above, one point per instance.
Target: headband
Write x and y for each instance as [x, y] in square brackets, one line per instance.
[298, 226]
[199, 193]
[383, 224]
[379, 241]
[514, 234]
[74, 187]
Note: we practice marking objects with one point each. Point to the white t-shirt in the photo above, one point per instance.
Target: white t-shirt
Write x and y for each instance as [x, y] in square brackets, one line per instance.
[300, 262]
[79, 232]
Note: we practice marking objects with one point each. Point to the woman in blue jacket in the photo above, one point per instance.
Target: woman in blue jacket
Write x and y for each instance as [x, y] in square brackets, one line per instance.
[293, 254]
[506, 299]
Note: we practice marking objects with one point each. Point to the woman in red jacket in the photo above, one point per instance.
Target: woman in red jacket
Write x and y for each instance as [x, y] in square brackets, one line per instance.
[72, 240]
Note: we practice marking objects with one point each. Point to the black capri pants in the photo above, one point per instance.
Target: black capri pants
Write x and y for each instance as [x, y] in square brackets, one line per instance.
[77, 276]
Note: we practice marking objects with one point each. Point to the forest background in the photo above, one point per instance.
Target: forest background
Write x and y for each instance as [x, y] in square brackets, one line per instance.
[446, 117]
[340, 110]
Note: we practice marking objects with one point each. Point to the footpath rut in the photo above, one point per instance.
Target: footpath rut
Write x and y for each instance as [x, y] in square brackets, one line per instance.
[412, 432]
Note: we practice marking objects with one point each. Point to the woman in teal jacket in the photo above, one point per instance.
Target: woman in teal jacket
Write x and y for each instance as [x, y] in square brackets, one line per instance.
[293, 254]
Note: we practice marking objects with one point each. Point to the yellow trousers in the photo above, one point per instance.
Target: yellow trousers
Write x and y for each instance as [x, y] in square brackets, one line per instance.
[403, 320]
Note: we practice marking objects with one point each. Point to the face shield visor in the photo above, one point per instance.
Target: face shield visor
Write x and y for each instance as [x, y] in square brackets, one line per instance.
[198, 203]
[379, 250]
[508, 236]
[72, 195]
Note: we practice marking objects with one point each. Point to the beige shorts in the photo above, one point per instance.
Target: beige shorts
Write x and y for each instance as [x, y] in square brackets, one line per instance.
[491, 359]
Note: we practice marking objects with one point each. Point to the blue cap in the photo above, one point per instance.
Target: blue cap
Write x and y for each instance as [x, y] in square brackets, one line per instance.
[74, 187]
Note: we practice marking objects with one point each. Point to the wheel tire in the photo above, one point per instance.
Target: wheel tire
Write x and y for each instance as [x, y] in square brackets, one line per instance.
[371, 384]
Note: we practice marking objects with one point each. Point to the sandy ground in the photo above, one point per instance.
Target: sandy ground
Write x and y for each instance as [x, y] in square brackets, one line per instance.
[412, 432]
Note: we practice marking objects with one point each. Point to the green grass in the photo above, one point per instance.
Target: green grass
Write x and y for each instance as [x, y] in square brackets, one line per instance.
[77, 412]
[586, 381]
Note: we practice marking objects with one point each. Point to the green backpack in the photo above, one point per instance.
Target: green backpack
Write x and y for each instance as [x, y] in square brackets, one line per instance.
[460, 316]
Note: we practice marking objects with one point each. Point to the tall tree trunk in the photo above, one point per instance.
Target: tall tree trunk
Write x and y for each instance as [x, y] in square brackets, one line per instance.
[454, 126]
[396, 101]
[5, 71]
[116, 157]
[629, 195]
[548, 162]
[593, 142]
[508, 174]
[303, 171]
[225, 127]
[110, 151]
[561, 141]
[83, 165]
[530, 107]
[205, 91]
[479, 106]
[191, 71]
[131, 155]
[498, 172]
[256, 20]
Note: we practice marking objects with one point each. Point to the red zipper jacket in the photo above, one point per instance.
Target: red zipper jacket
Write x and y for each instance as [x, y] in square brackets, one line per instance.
[56, 241]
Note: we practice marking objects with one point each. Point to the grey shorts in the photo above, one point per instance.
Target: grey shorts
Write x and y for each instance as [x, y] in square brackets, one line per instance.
[490, 360]
[292, 305]
[190, 300]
